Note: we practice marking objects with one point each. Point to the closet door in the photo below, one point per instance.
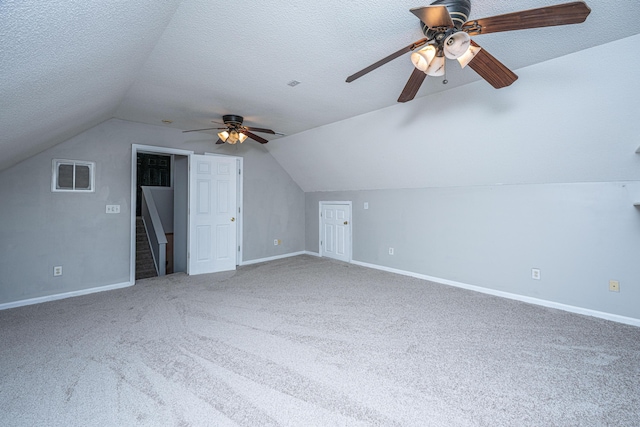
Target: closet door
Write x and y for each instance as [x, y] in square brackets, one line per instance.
[335, 231]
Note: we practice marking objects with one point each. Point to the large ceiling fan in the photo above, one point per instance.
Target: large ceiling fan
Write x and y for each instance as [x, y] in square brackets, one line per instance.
[447, 29]
[235, 132]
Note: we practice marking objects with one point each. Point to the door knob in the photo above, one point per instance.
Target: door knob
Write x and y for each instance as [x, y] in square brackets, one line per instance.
[345, 223]
[233, 219]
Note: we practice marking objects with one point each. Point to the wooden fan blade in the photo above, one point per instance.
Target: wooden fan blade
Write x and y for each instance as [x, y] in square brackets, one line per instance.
[260, 130]
[492, 70]
[253, 136]
[433, 16]
[562, 14]
[219, 141]
[413, 85]
[412, 46]
[198, 130]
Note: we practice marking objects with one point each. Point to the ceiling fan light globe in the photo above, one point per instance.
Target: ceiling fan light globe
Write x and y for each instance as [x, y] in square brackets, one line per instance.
[436, 68]
[419, 62]
[456, 45]
[223, 136]
[422, 58]
[242, 137]
[233, 137]
[468, 55]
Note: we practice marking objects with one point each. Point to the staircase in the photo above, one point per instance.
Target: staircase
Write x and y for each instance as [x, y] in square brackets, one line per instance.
[144, 259]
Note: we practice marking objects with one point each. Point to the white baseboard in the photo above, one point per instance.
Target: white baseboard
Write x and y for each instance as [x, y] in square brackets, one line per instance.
[545, 303]
[311, 253]
[271, 258]
[48, 298]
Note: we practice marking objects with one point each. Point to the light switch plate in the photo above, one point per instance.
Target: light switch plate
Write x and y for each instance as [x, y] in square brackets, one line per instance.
[113, 209]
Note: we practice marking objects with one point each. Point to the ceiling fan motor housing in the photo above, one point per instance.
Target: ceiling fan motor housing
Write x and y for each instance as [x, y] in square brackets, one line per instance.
[458, 9]
[232, 120]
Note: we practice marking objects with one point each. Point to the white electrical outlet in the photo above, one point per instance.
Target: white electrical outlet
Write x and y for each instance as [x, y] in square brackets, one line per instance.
[275, 242]
[535, 273]
[390, 251]
[113, 209]
[57, 270]
[366, 205]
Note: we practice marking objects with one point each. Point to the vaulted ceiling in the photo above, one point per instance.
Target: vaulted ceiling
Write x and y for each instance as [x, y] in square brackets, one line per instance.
[67, 65]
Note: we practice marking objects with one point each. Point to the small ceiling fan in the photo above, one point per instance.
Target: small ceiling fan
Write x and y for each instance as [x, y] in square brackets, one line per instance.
[447, 29]
[235, 132]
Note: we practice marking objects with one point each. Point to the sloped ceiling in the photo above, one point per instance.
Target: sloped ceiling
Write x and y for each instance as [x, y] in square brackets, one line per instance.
[563, 123]
[67, 65]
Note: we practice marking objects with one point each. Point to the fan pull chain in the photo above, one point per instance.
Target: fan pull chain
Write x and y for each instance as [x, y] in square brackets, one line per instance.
[445, 81]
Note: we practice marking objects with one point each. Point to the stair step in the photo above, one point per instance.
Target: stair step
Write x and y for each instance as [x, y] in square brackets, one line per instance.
[145, 263]
[140, 276]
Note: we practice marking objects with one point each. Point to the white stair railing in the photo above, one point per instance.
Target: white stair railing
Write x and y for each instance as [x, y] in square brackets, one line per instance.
[155, 231]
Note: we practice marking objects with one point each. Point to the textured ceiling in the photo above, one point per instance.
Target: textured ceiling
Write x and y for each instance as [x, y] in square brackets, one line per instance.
[67, 65]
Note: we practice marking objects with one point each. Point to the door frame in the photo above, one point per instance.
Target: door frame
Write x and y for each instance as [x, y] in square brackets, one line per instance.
[239, 199]
[350, 231]
[135, 148]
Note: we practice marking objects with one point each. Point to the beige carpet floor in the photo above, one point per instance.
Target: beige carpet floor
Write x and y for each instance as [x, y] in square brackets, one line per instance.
[309, 341]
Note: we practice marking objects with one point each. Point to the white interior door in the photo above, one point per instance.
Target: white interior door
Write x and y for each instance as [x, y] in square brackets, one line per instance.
[239, 190]
[335, 231]
[212, 214]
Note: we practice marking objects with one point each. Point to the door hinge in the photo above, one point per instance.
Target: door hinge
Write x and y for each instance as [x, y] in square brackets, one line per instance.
[238, 248]
[239, 171]
[238, 209]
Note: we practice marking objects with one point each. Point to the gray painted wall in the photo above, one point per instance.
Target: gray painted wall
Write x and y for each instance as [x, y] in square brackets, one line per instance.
[579, 235]
[40, 229]
[266, 184]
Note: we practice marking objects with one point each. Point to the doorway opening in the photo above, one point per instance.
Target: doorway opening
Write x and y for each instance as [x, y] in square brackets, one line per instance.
[163, 174]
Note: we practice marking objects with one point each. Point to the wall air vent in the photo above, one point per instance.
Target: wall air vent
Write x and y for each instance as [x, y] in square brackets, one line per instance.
[72, 176]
